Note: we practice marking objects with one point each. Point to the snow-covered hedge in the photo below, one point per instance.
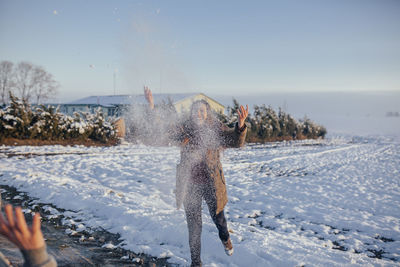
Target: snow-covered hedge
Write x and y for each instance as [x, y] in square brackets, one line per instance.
[19, 120]
[267, 125]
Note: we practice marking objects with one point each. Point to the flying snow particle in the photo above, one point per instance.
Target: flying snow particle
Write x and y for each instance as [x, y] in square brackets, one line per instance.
[158, 11]
[55, 12]
[91, 66]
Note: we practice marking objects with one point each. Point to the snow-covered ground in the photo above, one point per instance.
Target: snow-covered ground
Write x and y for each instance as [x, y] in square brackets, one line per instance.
[330, 202]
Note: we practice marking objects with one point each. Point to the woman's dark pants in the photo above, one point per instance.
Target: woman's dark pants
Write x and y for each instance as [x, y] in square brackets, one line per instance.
[193, 208]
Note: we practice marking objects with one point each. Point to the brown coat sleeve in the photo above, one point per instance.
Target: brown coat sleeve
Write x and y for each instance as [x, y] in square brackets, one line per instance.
[177, 134]
[233, 137]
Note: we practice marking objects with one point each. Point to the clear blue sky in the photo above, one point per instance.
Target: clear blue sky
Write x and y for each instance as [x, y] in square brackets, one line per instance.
[216, 47]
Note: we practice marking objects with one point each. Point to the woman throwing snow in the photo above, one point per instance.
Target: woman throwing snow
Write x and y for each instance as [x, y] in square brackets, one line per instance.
[199, 174]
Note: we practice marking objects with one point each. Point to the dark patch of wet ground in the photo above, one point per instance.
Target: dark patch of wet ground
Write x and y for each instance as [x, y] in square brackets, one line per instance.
[71, 249]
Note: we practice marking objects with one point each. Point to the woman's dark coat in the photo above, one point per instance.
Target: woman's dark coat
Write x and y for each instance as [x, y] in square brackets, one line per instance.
[220, 137]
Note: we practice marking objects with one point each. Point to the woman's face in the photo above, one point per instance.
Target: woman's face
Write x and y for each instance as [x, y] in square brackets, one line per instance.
[199, 114]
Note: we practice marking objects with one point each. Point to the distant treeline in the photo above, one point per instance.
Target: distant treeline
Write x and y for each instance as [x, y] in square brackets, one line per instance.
[266, 125]
[21, 121]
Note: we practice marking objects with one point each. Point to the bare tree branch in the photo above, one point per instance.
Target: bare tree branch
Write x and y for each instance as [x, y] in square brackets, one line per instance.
[33, 83]
[6, 80]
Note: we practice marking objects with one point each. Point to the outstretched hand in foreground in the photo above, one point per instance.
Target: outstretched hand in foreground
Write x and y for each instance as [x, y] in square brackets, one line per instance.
[16, 230]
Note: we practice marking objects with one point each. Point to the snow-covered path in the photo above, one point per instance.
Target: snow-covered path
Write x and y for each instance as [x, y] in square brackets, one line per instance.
[326, 202]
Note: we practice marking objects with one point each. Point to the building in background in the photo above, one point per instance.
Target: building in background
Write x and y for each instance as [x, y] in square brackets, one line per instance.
[114, 105]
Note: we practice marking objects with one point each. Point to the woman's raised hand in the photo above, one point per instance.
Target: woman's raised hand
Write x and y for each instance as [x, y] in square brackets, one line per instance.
[243, 113]
[149, 96]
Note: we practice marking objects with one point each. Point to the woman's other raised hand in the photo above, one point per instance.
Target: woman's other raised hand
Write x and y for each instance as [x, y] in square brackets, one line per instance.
[149, 97]
[242, 113]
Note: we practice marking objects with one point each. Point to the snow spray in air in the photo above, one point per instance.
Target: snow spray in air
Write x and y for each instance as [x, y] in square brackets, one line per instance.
[164, 126]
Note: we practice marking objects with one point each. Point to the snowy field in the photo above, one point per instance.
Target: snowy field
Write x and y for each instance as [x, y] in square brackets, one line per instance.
[330, 202]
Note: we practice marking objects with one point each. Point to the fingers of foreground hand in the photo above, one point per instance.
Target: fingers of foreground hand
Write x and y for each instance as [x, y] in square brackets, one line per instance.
[3, 225]
[10, 216]
[36, 223]
[37, 239]
[8, 228]
[21, 222]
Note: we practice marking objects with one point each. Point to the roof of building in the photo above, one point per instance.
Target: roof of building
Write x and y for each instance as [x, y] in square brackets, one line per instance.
[113, 100]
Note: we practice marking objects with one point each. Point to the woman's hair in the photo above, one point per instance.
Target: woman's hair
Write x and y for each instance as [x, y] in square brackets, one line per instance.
[196, 104]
